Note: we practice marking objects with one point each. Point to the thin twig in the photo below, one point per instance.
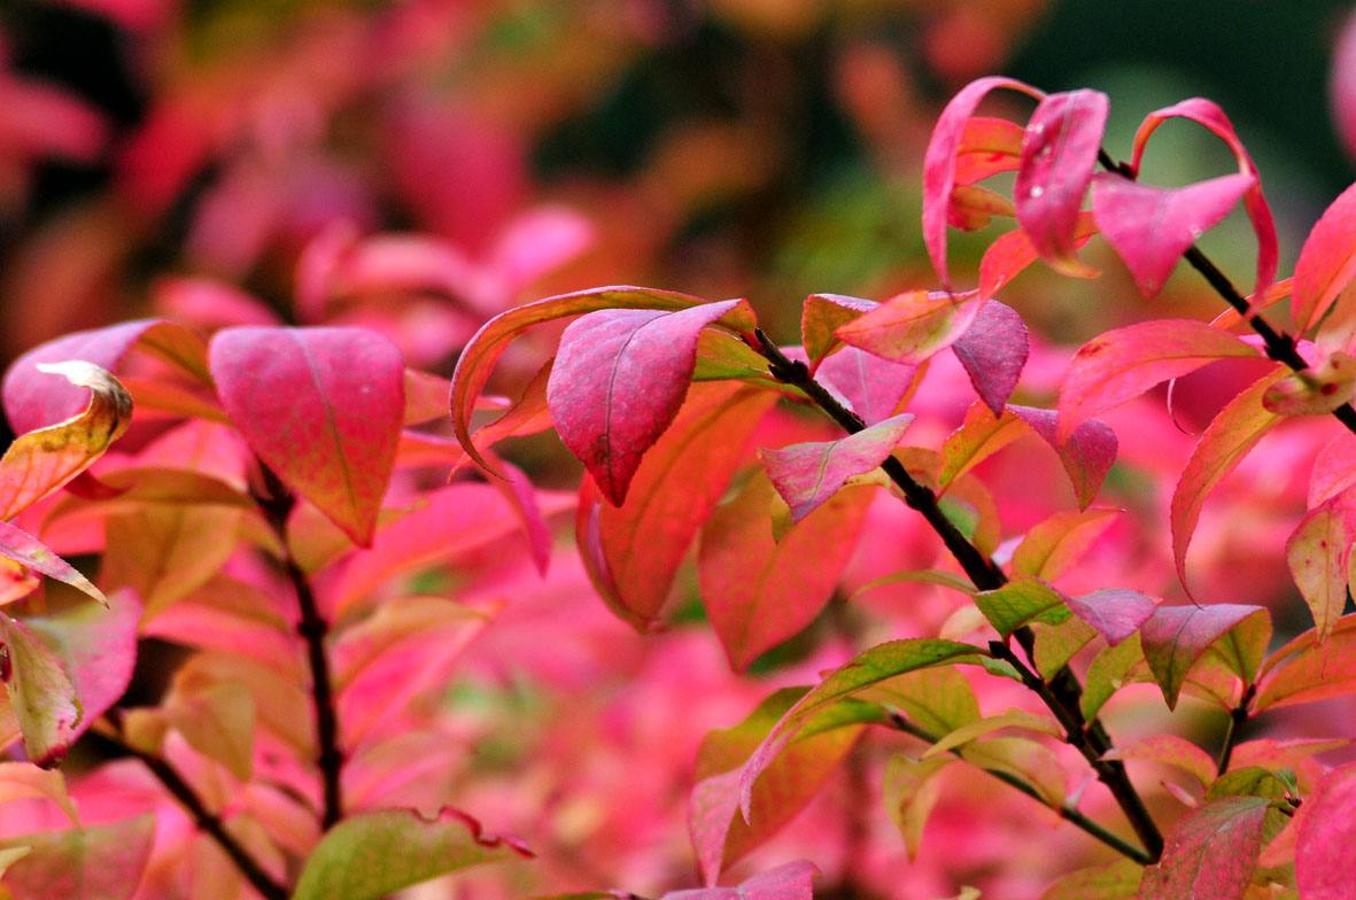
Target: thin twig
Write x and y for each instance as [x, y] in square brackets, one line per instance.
[1280, 346]
[1238, 717]
[206, 820]
[313, 630]
[1061, 694]
[1066, 812]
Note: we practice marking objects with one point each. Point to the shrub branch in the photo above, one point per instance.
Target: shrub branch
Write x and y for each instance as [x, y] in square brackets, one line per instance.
[1061, 693]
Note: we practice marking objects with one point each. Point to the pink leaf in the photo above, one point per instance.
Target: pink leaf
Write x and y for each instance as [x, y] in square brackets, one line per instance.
[486, 345]
[537, 242]
[1334, 469]
[322, 407]
[618, 381]
[98, 646]
[939, 164]
[1211, 853]
[789, 881]
[1087, 453]
[1208, 115]
[759, 591]
[1151, 227]
[28, 551]
[1174, 637]
[1121, 364]
[34, 401]
[1116, 613]
[912, 326]
[1059, 153]
[1326, 836]
[993, 351]
[1226, 440]
[807, 475]
[452, 520]
[873, 387]
[633, 551]
[1327, 262]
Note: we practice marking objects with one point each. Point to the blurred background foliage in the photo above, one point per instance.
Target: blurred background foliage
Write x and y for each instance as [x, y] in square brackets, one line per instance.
[759, 147]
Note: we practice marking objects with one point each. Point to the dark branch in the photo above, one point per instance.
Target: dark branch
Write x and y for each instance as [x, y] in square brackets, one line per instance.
[207, 821]
[1279, 345]
[1066, 812]
[1238, 717]
[1061, 694]
[313, 630]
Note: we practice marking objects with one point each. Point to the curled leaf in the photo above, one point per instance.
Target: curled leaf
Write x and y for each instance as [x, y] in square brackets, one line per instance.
[912, 326]
[940, 162]
[40, 462]
[1059, 152]
[1175, 637]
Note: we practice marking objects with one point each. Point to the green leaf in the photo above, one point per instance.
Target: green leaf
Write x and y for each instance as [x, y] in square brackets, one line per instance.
[1118, 880]
[1107, 674]
[937, 700]
[911, 787]
[1020, 601]
[1053, 545]
[1249, 781]
[41, 693]
[879, 664]
[1057, 644]
[371, 854]
[1013, 718]
[1025, 758]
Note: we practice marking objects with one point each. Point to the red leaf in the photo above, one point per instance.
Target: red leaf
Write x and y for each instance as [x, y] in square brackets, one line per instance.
[993, 351]
[807, 475]
[1116, 613]
[633, 551]
[1226, 440]
[619, 378]
[34, 401]
[912, 326]
[1208, 115]
[1211, 853]
[987, 147]
[322, 407]
[1121, 364]
[1334, 469]
[1151, 227]
[1013, 252]
[1174, 637]
[759, 591]
[478, 357]
[1327, 262]
[940, 162]
[1087, 453]
[1326, 835]
[1059, 153]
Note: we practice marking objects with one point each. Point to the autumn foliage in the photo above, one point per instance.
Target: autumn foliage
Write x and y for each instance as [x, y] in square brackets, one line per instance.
[649, 596]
